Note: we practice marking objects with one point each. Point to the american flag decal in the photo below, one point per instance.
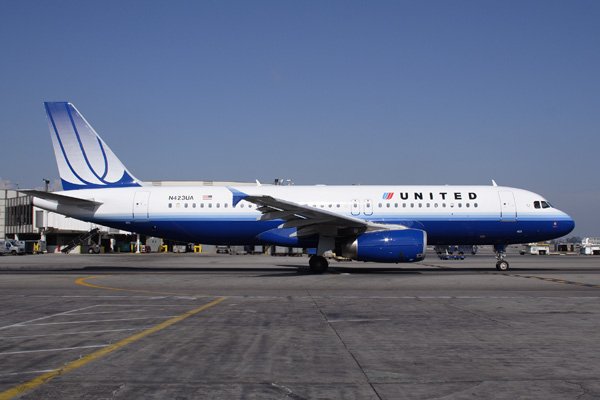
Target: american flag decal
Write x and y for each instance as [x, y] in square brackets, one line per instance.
[207, 197]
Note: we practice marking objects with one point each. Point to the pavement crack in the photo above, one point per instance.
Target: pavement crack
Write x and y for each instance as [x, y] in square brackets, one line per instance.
[481, 315]
[288, 392]
[584, 391]
[117, 390]
[345, 345]
[458, 392]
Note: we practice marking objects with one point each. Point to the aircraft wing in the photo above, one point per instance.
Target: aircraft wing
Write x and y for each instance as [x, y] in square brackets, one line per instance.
[310, 220]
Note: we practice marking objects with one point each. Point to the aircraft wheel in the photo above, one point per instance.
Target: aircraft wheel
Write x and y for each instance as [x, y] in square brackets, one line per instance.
[502, 266]
[318, 264]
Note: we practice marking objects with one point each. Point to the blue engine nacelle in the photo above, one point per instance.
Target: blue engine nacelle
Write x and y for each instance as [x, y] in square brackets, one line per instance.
[396, 246]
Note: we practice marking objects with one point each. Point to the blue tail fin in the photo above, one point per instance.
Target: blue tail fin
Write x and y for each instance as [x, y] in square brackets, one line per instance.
[84, 160]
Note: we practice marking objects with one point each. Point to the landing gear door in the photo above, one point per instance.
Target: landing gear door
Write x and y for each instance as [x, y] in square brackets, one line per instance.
[508, 207]
[140, 207]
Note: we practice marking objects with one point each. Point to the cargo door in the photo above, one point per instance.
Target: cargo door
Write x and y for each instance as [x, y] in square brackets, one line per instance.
[140, 206]
[508, 207]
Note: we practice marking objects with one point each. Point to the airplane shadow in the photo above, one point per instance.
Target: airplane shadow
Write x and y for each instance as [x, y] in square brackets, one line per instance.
[278, 270]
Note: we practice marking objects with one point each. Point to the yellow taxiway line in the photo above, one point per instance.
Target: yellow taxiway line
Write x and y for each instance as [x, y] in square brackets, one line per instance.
[100, 353]
[82, 281]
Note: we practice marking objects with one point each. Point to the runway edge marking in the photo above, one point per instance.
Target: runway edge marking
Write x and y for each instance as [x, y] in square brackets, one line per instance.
[9, 394]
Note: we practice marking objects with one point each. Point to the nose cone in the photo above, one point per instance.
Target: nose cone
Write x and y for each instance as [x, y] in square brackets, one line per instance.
[564, 225]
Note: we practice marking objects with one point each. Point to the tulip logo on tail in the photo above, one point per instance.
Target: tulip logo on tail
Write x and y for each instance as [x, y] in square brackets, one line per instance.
[84, 160]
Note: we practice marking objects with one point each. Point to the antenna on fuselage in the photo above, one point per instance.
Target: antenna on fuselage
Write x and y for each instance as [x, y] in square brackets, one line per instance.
[494, 183]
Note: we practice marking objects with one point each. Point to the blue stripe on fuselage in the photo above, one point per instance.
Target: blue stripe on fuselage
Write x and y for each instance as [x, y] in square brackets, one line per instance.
[243, 230]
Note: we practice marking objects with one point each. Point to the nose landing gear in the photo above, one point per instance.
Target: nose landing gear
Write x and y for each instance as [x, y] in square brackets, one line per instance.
[501, 264]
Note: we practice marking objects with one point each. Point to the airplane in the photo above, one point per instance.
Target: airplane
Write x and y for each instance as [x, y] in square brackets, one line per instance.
[386, 223]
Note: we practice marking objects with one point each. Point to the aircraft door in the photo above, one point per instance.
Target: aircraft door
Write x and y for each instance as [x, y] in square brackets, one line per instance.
[508, 207]
[355, 207]
[140, 206]
[368, 207]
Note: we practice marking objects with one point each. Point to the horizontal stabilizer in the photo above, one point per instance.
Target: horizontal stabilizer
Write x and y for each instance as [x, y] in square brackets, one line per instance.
[62, 199]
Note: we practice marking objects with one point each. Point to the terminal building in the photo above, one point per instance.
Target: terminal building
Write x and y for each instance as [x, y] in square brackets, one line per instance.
[51, 232]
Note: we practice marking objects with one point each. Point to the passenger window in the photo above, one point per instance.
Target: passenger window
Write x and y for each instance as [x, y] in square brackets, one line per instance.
[388, 205]
[185, 205]
[209, 205]
[170, 205]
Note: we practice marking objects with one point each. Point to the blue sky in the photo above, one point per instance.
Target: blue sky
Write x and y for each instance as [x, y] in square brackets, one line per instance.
[333, 92]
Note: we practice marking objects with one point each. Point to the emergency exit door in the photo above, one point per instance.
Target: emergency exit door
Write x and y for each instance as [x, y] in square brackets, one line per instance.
[140, 206]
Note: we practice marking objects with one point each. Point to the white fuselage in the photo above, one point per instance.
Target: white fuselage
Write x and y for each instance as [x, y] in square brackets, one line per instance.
[207, 214]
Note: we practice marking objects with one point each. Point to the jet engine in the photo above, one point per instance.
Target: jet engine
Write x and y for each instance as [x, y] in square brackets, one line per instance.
[394, 246]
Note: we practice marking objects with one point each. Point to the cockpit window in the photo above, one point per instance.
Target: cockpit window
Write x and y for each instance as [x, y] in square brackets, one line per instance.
[541, 204]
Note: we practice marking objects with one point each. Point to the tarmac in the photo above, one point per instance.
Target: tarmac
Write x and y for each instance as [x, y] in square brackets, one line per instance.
[195, 326]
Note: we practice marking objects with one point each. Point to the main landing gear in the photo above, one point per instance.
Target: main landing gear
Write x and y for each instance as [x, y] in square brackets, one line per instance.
[318, 264]
[501, 265]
